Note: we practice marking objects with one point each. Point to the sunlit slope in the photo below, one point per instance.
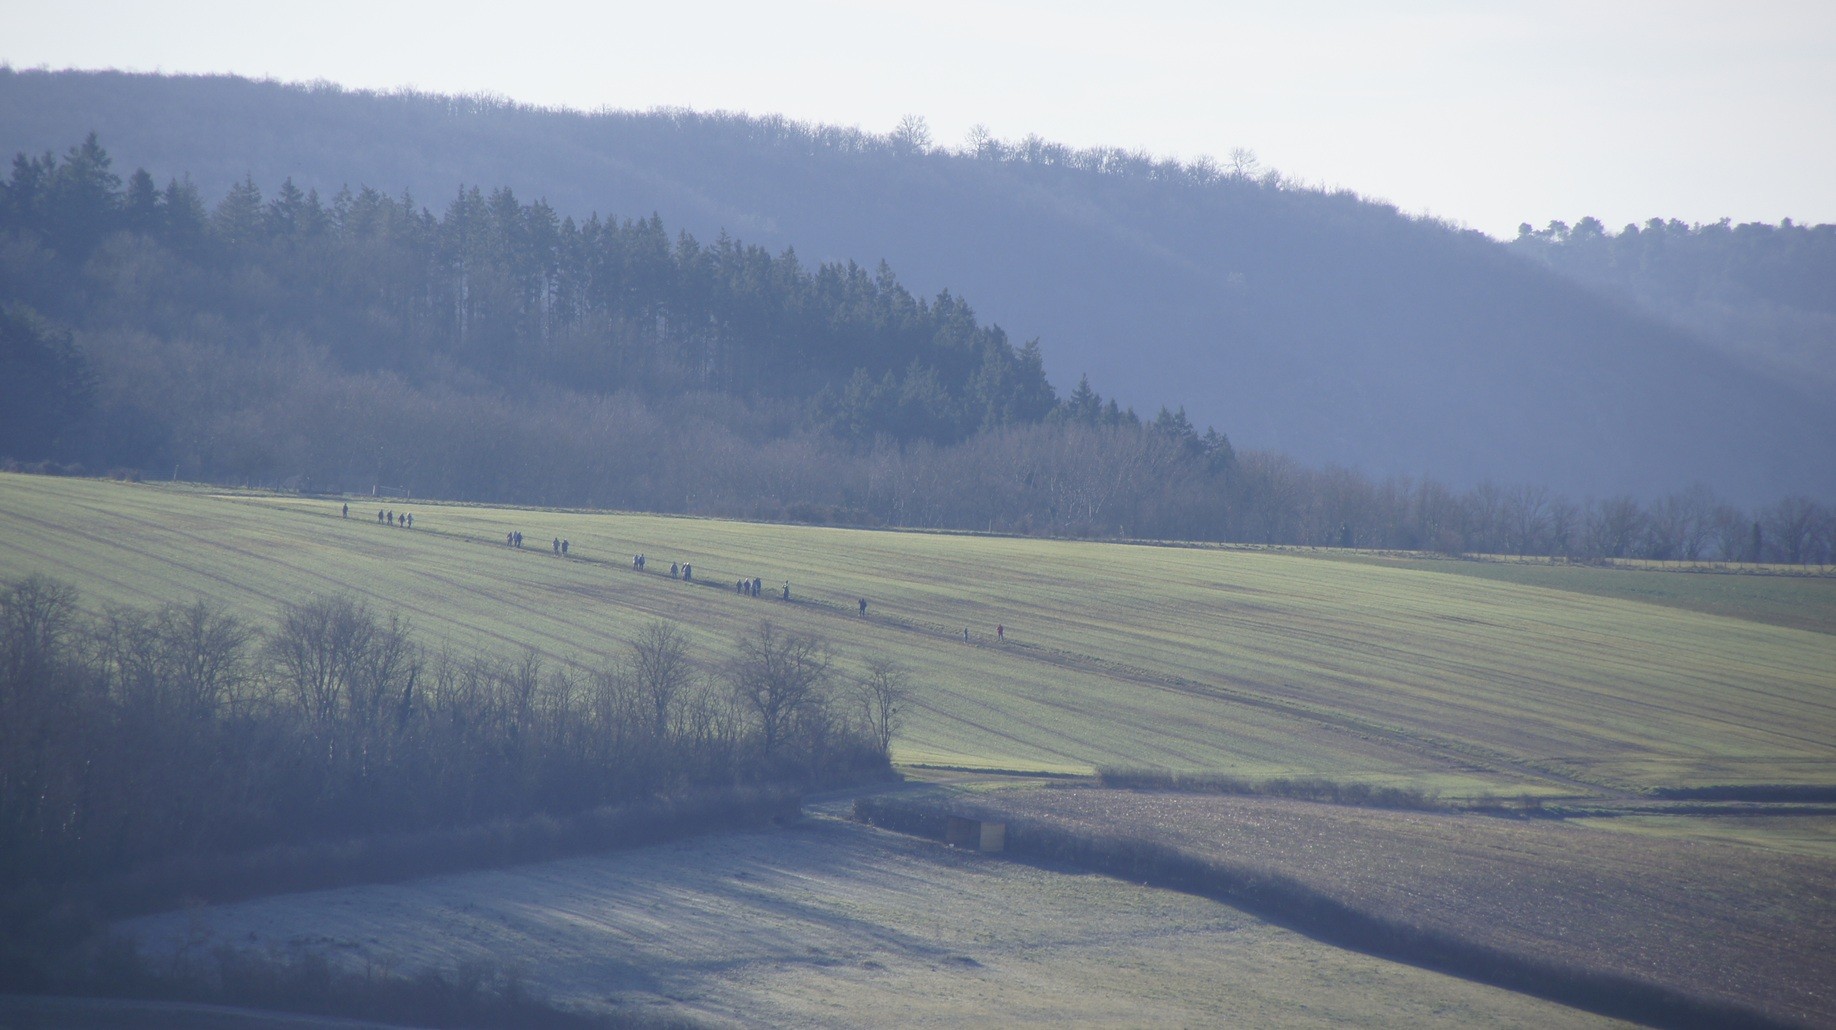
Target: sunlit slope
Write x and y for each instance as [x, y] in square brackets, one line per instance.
[1258, 663]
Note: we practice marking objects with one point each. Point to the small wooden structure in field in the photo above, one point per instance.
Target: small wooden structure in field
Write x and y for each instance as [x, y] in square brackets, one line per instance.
[975, 834]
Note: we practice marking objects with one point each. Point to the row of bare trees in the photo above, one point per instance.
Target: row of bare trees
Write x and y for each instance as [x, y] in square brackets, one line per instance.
[129, 736]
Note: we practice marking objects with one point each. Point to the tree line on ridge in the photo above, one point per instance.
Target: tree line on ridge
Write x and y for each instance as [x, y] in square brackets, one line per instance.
[498, 352]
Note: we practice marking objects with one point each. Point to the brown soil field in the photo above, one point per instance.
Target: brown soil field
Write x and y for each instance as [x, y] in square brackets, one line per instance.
[1724, 921]
[831, 923]
[18, 1012]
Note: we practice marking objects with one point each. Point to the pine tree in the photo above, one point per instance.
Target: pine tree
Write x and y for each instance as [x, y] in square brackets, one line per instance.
[238, 220]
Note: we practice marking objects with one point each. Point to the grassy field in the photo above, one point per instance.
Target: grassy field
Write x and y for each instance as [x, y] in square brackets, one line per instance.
[836, 924]
[1457, 677]
[1718, 920]
[1257, 663]
[1773, 596]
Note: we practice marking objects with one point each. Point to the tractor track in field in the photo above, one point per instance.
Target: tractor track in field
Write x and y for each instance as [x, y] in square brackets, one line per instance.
[197, 571]
[1457, 754]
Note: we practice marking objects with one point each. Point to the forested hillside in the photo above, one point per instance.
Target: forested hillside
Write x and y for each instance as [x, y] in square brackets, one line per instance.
[512, 293]
[1765, 294]
[498, 352]
[218, 335]
[1311, 322]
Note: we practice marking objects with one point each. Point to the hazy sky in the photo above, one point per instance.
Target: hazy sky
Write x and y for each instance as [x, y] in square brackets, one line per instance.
[1488, 114]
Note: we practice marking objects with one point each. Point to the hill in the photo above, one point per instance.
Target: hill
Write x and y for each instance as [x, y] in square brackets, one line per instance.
[1757, 292]
[1317, 323]
[1649, 927]
[1577, 691]
[833, 924]
[1259, 663]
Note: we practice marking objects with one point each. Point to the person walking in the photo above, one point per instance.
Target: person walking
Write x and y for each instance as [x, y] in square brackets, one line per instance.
[347, 512]
[1001, 633]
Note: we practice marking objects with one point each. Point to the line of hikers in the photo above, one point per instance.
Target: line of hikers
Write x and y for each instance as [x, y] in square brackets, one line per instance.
[754, 587]
[677, 570]
[685, 571]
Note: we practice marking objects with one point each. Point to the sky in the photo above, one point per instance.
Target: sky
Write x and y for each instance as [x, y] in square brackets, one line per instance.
[1486, 115]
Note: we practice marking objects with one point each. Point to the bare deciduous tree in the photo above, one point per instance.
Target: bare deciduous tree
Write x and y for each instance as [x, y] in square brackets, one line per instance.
[337, 660]
[35, 615]
[912, 135]
[1791, 529]
[980, 141]
[778, 677]
[204, 656]
[884, 692]
[660, 672]
[1526, 519]
[1613, 525]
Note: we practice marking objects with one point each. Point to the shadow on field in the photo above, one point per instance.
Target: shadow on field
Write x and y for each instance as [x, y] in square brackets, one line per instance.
[1287, 902]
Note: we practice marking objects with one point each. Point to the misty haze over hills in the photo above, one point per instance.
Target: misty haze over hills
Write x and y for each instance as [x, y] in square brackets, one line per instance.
[1315, 323]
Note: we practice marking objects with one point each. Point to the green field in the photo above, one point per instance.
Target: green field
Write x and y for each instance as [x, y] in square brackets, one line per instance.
[1774, 596]
[1256, 663]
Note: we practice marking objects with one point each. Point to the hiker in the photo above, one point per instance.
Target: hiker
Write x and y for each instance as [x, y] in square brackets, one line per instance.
[787, 590]
[1000, 632]
[557, 547]
[863, 607]
[758, 584]
[347, 512]
[688, 572]
[564, 548]
[519, 538]
[410, 520]
[965, 634]
[739, 586]
[391, 518]
[379, 514]
[674, 570]
[509, 539]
